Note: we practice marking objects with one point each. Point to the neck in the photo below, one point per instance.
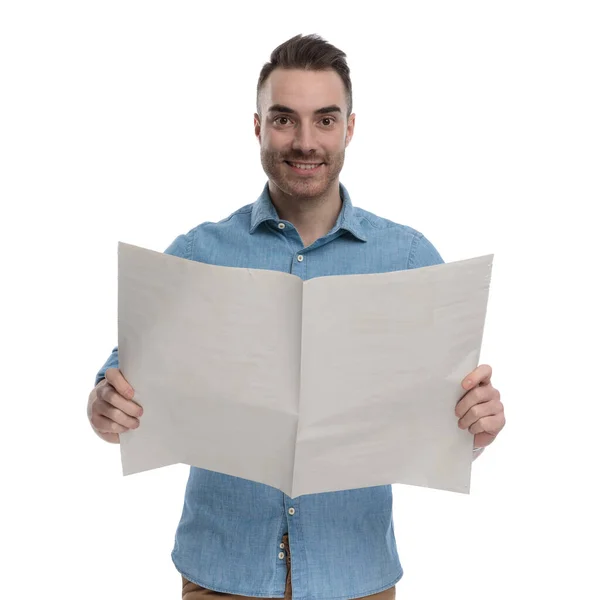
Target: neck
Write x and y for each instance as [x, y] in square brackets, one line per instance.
[313, 217]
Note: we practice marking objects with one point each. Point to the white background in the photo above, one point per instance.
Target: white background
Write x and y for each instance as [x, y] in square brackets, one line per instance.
[477, 123]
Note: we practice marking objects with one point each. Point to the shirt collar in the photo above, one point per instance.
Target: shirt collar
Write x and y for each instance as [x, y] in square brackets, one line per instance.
[264, 210]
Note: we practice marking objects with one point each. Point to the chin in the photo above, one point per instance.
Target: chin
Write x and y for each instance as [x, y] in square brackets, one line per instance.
[314, 187]
[306, 189]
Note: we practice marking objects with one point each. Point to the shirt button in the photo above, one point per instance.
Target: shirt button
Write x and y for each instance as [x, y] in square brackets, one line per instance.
[282, 546]
[300, 258]
[292, 511]
[281, 556]
[281, 225]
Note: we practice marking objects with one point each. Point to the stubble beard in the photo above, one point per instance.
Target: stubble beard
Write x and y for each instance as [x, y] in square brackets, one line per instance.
[298, 187]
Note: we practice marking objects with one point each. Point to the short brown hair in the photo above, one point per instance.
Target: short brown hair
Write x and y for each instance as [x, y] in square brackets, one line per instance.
[310, 52]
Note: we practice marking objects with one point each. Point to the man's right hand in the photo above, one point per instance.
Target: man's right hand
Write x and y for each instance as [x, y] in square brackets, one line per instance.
[112, 411]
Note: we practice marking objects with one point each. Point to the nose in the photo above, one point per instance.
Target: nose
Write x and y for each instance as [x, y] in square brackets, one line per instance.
[304, 140]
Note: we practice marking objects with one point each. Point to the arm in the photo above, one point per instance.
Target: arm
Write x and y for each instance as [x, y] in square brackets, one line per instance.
[119, 393]
[424, 254]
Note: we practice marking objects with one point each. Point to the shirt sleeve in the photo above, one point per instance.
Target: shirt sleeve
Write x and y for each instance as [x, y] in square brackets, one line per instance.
[423, 253]
[179, 247]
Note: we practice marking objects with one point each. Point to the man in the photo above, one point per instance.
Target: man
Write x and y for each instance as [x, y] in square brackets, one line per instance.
[242, 538]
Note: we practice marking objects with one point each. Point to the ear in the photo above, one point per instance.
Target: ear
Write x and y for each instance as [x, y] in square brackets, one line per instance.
[257, 126]
[350, 128]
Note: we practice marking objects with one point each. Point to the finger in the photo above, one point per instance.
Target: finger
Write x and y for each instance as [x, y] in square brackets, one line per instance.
[109, 411]
[480, 376]
[108, 394]
[105, 425]
[483, 409]
[481, 440]
[477, 395]
[116, 379]
[492, 424]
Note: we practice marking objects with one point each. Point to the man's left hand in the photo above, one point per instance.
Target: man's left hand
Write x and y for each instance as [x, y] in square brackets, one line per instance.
[480, 410]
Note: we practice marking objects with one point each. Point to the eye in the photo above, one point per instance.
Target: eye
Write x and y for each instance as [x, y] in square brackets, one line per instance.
[278, 120]
[330, 121]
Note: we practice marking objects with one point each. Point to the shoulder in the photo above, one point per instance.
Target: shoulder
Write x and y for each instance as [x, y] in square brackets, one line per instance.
[241, 217]
[419, 249]
[186, 244]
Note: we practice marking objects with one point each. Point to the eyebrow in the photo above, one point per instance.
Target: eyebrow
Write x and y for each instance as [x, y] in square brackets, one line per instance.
[321, 111]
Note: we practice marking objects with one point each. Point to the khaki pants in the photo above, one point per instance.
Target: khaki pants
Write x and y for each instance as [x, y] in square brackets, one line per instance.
[191, 591]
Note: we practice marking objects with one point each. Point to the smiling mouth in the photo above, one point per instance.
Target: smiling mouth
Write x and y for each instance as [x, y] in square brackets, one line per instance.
[303, 166]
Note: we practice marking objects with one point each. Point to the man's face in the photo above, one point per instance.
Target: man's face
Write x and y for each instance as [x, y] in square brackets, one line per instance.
[303, 122]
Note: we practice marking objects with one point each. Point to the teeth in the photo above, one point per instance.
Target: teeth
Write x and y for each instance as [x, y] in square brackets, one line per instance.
[304, 167]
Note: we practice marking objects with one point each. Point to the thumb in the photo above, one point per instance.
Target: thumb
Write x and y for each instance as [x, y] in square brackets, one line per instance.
[116, 379]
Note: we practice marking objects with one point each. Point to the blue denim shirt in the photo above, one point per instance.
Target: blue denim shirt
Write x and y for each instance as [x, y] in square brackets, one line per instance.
[342, 544]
